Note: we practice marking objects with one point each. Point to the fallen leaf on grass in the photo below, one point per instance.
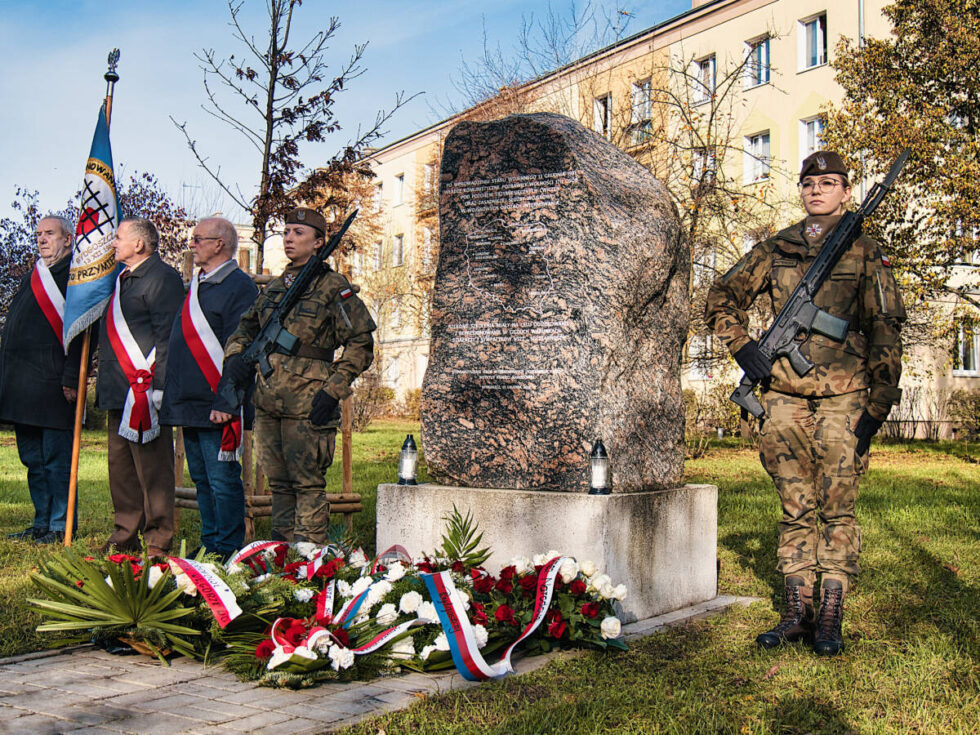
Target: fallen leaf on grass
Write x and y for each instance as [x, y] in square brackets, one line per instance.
[421, 695]
[951, 567]
[771, 673]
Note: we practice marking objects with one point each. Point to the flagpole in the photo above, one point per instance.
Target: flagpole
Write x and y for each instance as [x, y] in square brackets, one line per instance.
[111, 77]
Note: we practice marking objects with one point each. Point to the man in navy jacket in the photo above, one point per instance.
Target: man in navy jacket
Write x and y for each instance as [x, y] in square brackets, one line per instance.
[221, 294]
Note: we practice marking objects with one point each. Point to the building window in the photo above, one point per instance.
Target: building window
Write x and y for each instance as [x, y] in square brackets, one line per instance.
[702, 166]
[811, 136]
[966, 245]
[378, 256]
[757, 67]
[703, 80]
[427, 247]
[428, 178]
[813, 41]
[399, 189]
[378, 198]
[602, 115]
[967, 356]
[757, 157]
[641, 123]
[398, 251]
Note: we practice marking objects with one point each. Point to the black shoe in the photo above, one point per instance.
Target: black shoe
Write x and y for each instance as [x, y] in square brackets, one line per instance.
[797, 621]
[51, 537]
[828, 640]
[28, 534]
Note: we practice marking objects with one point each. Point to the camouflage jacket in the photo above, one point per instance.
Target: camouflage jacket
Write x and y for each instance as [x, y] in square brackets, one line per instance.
[861, 289]
[328, 317]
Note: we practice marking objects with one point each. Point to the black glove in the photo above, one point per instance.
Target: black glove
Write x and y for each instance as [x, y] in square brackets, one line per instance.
[325, 408]
[867, 427]
[753, 363]
[237, 371]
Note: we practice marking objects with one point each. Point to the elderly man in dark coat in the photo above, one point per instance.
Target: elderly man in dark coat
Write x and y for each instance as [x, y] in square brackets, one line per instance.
[219, 294]
[133, 337]
[38, 384]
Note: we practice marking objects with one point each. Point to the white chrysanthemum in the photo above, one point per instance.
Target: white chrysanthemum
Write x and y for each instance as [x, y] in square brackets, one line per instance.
[403, 649]
[441, 642]
[619, 592]
[341, 658]
[387, 614]
[344, 588]
[358, 559]
[154, 576]
[521, 564]
[360, 585]
[481, 635]
[303, 594]
[306, 549]
[426, 652]
[233, 568]
[378, 590]
[588, 568]
[410, 602]
[184, 583]
[611, 627]
[568, 570]
[462, 599]
[427, 611]
[395, 572]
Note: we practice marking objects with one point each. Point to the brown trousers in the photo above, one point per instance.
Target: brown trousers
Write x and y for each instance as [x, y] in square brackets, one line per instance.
[141, 483]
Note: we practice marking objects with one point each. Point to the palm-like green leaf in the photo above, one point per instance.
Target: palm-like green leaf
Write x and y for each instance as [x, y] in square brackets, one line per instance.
[460, 541]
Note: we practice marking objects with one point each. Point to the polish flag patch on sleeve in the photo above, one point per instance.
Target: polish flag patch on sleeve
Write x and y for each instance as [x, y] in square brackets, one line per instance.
[885, 261]
[346, 293]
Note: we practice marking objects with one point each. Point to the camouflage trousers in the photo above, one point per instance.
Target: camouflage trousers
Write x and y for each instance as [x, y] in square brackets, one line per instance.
[295, 456]
[808, 448]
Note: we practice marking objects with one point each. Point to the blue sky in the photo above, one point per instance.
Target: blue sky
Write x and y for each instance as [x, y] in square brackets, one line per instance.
[55, 56]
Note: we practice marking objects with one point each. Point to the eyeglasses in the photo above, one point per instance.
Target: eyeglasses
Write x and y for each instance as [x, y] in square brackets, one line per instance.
[197, 239]
[821, 185]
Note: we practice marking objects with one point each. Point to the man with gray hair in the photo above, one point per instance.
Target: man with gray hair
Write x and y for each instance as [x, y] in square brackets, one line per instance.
[38, 383]
[219, 294]
[133, 338]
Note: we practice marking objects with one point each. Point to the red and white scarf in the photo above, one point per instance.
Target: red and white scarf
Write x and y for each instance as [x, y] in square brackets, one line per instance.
[49, 298]
[208, 354]
[139, 419]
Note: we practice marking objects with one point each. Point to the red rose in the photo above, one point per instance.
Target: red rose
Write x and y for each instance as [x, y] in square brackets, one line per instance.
[457, 566]
[577, 587]
[484, 585]
[504, 614]
[590, 609]
[479, 614]
[504, 585]
[529, 582]
[508, 572]
[281, 551]
[265, 649]
[556, 626]
[342, 637]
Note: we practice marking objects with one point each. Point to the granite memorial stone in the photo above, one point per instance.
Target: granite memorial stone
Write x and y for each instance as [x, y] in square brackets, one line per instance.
[559, 313]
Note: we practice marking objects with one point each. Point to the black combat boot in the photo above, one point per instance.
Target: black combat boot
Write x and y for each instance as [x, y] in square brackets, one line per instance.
[828, 640]
[797, 620]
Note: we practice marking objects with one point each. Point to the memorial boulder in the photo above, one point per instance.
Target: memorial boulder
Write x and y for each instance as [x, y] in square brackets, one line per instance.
[559, 313]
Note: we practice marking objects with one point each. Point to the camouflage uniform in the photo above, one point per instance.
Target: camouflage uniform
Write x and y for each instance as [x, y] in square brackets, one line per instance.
[807, 438]
[294, 453]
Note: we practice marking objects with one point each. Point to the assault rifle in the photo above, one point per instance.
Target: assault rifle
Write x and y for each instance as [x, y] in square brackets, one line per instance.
[272, 336]
[800, 316]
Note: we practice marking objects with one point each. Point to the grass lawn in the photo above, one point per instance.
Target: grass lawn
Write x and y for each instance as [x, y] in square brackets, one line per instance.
[912, 630]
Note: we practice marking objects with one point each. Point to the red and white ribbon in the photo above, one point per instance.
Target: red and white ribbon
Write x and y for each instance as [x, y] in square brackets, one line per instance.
[324, 604]
[459, 632]
[139, 420]
[213, 590]
[251, 550]
[398, 551]
[49, 298]
[209, 354]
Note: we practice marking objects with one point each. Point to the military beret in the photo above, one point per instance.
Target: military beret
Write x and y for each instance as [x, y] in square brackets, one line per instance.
[308, 217]
[823, 162]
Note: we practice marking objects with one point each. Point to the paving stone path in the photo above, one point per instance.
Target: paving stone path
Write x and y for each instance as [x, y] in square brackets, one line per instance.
[86, 691]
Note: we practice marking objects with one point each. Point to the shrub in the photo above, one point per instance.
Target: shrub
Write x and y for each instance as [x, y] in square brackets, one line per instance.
[371, 399]
[964, 410]
[413, 404]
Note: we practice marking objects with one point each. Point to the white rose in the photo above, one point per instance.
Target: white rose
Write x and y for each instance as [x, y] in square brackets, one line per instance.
[606, 591]
[539, 560]
[410, 602]
[154, 576]
[306, 549]
[341, 658]
[568, 570]
[552, 554]
[427, 612]
[588, 568]
[303, 594]
[599, 581]
[359, 586]
[387, 614]
[405, 648]
[521, 564]
[395, 572]
[610, 627]
[426, 652]
[441, 642]
[481, 635]
[619, 592]
[343, 588]
[358, 559]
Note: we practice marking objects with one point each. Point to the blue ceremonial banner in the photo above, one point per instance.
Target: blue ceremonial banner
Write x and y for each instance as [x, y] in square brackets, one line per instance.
[93, 260]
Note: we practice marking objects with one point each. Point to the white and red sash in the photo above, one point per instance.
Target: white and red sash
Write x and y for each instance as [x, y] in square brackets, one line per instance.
[49, 298]
[208, 354]
[139, 420]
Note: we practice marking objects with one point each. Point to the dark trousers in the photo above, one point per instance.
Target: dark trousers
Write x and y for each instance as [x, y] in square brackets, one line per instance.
[220, 492]
[141, 483]
[46, 453]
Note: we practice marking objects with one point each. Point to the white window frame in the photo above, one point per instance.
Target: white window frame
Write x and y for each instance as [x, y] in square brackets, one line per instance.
[758, 73]
[758, 162]
[803, 38]
[964, 351]
[428, 178]
[379, 249]
[399, 189]
[602, 115]
[398, 250]
[426, 246]
[704, 166]
[704, 79]
[805, 123]
[641, 115]
[377, 200]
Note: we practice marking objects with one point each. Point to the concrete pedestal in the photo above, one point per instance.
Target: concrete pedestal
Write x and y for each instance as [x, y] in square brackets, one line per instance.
[662, 545]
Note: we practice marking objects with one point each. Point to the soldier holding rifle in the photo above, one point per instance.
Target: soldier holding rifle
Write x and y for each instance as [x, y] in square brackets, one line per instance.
[298, 392]
[818, 426]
